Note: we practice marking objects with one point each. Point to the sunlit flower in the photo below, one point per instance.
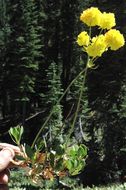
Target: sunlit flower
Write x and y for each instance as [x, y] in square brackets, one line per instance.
[91, 16]
[97, 47]
[83, 39]
[114, 39]
[107, 21]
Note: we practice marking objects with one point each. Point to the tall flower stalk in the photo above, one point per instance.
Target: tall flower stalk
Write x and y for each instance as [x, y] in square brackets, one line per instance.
[95, 46]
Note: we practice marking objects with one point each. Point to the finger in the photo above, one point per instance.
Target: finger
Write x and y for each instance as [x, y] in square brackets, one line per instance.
[4, 177]
[6, 155]
[16, 149]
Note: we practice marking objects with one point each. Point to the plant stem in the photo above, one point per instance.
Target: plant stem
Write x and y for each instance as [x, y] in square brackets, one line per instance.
[52, 111]
[79, 100]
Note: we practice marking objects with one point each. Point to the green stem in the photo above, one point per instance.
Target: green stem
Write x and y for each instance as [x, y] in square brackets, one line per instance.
[79, 100]
[51, 113]
[81, 92]
[90, 31]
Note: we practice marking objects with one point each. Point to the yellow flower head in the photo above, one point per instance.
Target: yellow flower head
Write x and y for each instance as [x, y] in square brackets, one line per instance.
[107, 21]
[83, 39]
[91, 16]
[97, 47]
[114, 39]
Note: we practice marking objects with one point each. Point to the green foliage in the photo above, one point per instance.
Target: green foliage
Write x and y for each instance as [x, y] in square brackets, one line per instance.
[75, 158]
[23, 50]
[16, 134]
[47, 164]
[51, 98]
[20, 182]
[111, 187]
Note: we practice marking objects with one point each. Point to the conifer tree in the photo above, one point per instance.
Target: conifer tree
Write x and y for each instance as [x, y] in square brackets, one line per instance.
[24, 54]
[52, 96]
[4, 40]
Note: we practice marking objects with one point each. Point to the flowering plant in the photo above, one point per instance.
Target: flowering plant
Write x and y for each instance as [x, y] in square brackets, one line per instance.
[64, 158]
[94, 47]
[110, 39]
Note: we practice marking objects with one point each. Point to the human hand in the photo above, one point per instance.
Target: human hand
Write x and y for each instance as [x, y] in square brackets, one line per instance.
[7, 155]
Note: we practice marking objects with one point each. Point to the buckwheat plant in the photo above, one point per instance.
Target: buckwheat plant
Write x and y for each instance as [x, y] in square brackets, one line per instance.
[66, 159]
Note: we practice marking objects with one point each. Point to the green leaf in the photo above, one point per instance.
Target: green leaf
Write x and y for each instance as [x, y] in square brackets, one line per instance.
[21, 158]
[69, 165]
[82, 151]
[59, 164]
[29, 151]
[16, 134]
[60, 150]
[73, 151]
[76, 155]
[75, 166]
[52, 159]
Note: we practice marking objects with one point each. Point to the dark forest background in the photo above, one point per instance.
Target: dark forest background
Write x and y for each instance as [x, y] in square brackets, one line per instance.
[39, 58]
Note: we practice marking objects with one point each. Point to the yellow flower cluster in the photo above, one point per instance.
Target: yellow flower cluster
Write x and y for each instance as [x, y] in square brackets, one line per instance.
[94, 17]
[83, 39]
[114, 39]
[91, 16]
[96, 46]
[107, 21]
